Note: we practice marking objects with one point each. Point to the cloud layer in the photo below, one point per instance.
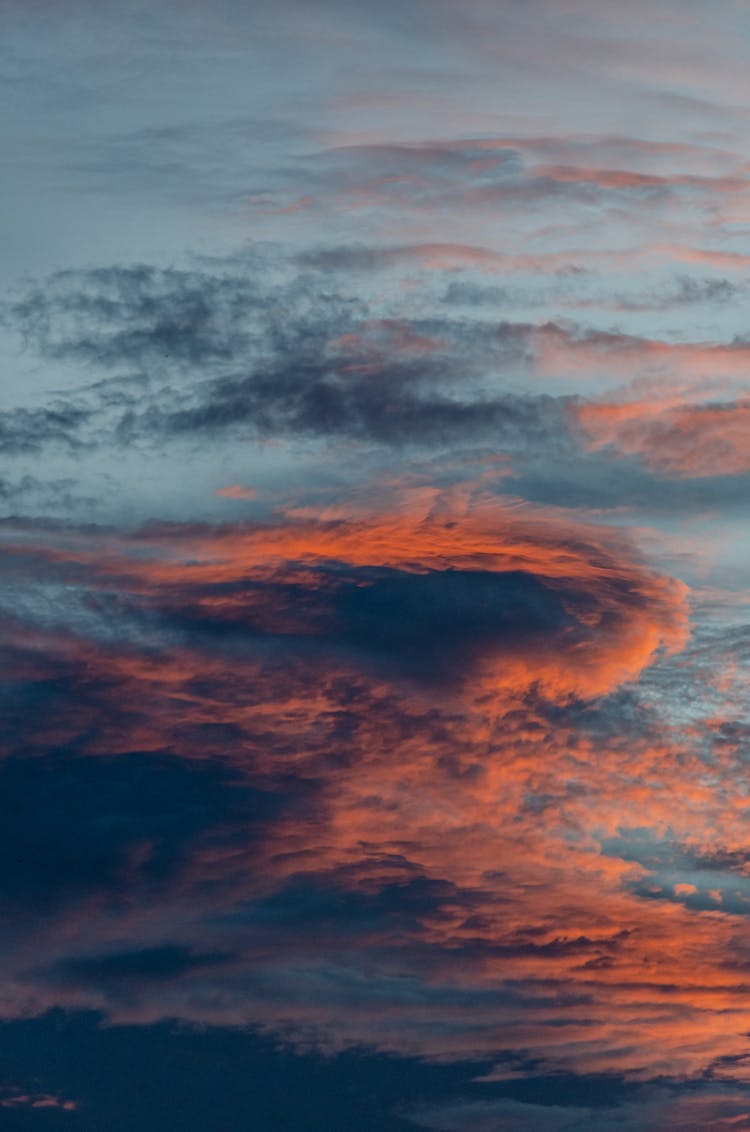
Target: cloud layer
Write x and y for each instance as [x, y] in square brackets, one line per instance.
[373, 542]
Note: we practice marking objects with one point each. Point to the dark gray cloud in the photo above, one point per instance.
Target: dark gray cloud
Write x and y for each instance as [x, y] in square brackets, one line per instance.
[432, 625]
[197, 353]
[123, 968]
[52, 496]
[305, 398]
[685, 291]
[143, 316]
[28, 431]
[193, 1078]
[72, 827]
[250, 346]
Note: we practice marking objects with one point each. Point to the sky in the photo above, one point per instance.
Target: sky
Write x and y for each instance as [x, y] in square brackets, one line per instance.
[375, 619]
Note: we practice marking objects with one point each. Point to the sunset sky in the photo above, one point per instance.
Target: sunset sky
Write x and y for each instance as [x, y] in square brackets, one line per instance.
[375, 605]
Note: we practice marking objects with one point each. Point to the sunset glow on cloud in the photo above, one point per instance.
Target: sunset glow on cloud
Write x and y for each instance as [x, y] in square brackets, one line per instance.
[374, 652]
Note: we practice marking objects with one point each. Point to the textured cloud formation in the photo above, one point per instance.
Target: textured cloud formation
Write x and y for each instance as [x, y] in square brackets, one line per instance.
[373, 549]
[675, 439]
[521, 599]
[201, 353]
[383, 839]
[204, 354]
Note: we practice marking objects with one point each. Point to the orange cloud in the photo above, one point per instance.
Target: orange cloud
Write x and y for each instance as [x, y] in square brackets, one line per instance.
[237, 491]
[710, 257]
[629, 179]
[449, 871]
[27, 1100]
[612, 614]
[678, 440]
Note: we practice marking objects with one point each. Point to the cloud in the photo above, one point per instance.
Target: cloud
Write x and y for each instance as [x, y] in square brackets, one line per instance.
[350, 749]
[147, 965]
[678, 440]
[75, 827]
[323, 746]
[525, 175]
[20, 1100]
[25, 431]
[500, 594]
[253, 347]
[657, 1108]
[200, 353]
[237, 491]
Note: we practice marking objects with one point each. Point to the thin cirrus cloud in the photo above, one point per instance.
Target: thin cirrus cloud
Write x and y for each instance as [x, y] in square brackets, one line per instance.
[478, 177]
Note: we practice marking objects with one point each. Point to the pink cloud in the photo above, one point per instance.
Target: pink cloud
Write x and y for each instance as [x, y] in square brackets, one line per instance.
[237, 491]
[675, 439]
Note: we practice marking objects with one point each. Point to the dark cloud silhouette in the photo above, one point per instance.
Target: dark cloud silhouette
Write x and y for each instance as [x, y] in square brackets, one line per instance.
[437, 619]
[125, 967]
[75, 827]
